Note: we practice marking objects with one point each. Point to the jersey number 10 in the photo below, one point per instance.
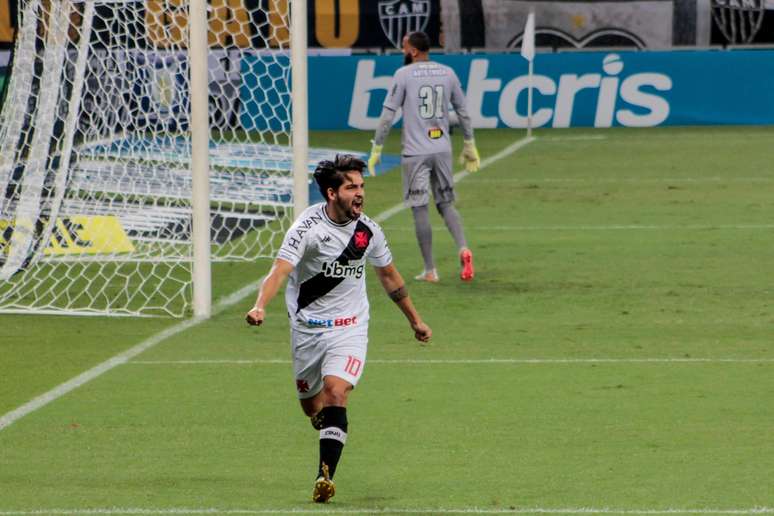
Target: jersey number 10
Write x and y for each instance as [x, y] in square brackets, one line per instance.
[432, 101]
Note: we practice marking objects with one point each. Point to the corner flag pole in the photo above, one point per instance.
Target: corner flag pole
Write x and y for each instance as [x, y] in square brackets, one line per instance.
[529, 100]
[528, 53]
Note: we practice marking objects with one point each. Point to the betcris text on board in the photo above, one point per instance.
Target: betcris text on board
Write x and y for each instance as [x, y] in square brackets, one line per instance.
[569, 90]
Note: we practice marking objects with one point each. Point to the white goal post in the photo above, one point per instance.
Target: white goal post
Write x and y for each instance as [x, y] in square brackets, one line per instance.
[143, 140]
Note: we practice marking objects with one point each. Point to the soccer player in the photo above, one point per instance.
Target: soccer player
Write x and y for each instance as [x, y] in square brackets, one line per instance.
[324, 254]
[424, 89]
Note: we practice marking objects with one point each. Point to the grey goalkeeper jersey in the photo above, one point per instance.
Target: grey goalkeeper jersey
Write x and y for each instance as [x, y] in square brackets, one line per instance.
[424, 90]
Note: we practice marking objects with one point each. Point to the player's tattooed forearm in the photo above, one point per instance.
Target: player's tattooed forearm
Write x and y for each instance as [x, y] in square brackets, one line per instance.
[399, 293]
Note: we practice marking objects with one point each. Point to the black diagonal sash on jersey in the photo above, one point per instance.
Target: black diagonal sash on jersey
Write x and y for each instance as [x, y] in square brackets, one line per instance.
[318, 285]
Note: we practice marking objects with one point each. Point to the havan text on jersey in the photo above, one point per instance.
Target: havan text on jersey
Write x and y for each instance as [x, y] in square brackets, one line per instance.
[298, 233]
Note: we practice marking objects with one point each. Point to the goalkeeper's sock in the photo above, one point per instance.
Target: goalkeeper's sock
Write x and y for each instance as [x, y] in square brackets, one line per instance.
[333, 435]
[424, 234]
[454, 223]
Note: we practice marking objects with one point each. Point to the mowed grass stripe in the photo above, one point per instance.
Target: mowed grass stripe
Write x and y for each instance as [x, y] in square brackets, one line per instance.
[439, 510]
[627, 180]
[493, 361]
[613, 435]
[613, 227]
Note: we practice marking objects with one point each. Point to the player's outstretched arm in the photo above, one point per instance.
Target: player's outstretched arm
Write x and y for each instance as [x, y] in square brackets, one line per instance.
[269, 288]
[469, 156]
[395, 287]
[382, 130]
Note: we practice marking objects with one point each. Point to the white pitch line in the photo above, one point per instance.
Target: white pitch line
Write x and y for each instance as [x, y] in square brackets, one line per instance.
[439, 510]
[122, 358]
[615, 180]
[611, 227]
[665, 360]
[459, 176]
[578, 138]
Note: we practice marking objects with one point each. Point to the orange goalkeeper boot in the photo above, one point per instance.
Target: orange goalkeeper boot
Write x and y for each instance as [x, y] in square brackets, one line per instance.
[466, 261]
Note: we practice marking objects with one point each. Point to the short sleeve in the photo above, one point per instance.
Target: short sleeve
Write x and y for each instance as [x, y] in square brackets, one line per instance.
[396, 93]
[379, 254]
[293, 246]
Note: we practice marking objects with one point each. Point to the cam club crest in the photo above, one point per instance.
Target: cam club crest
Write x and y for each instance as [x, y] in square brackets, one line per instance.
[399, 17]
[738, 20]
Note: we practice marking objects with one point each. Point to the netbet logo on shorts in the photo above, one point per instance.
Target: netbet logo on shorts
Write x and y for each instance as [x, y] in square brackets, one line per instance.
[338, 270]
[339, 322]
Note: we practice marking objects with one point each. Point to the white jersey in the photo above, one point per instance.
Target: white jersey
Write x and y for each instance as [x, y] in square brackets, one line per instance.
[326, 290]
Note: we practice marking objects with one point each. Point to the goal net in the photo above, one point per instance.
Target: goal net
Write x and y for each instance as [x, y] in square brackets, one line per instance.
[95, 151]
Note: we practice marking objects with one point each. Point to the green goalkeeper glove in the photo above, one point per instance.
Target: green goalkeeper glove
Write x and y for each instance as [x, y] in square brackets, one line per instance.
[469, 156]
[374, 158]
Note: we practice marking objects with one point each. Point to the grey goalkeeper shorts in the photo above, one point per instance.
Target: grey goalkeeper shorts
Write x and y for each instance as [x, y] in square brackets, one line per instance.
[423, 173]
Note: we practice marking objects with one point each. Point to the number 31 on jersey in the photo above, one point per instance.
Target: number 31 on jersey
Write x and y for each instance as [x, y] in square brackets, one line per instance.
[432, 101]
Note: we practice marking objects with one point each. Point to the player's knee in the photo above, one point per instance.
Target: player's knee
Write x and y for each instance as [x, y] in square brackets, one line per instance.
[443, 206]
[419, 211]
[336, 393]
[336, 396]
[311, 406]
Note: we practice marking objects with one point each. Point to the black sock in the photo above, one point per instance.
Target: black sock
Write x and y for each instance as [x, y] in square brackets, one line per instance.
[333, 435]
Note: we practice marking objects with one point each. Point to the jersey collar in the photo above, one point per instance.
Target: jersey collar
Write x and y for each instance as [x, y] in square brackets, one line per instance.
[331, 221]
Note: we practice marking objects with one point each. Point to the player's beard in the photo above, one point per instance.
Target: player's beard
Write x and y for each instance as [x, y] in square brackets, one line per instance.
[407, 59]
[349, 209]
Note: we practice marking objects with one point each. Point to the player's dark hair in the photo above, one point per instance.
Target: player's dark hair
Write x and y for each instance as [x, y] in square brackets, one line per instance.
[420, 41]
[330, 174]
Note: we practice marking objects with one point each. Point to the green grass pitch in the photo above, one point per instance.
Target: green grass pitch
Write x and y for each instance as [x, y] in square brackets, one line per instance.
[614, 353]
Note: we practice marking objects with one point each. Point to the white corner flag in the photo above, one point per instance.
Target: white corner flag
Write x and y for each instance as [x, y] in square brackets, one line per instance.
[528, 40]
[528, 53]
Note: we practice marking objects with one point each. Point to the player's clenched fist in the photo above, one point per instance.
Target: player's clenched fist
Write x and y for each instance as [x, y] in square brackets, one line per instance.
[255, 316]
[422, 332]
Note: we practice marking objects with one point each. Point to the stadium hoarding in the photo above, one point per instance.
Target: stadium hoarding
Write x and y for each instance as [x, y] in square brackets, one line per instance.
[371, 23]
[560, 24]
[586, 89]
[455, 24]
[340, 24]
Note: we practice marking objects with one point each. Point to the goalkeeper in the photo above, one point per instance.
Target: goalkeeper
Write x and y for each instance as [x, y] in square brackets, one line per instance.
[424, 89]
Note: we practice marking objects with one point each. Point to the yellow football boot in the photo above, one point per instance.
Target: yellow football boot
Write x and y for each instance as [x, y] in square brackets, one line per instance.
[324, 488]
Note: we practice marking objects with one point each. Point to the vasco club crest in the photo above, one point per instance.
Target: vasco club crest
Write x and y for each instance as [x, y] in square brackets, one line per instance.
[361, 239]
[399, 17]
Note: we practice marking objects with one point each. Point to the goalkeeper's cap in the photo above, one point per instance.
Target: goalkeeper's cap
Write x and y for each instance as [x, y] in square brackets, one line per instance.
[330, 174]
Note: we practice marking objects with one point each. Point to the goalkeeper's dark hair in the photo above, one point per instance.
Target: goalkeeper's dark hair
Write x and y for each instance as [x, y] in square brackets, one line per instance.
[420, 41]
[330, 174]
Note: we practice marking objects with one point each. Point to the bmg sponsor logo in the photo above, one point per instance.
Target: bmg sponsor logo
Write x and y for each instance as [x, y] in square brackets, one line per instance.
[340, 322]
[634, 100]
[338, 270]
